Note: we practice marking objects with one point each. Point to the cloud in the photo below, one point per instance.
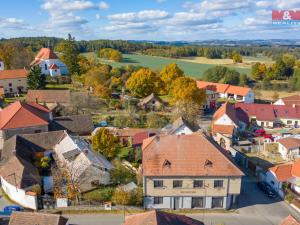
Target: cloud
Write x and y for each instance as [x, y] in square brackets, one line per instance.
[13, 23]
[103, 5]
[97, 16]
[160, 1]
[146, 15]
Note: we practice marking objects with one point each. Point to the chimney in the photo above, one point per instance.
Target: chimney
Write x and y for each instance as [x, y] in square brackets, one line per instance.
[294, 105]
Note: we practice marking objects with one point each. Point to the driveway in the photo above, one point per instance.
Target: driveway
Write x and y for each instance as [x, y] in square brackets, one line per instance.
[254, 208]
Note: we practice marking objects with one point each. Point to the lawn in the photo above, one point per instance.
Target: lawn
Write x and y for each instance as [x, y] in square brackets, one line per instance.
[194, 69]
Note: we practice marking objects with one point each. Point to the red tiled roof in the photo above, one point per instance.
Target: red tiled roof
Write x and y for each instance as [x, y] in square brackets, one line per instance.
[159, 218]
[290, 220]
[20, 114]
[46, 53]
[296, 169]
[282, 172]
[268, 112]
[13, 74]
[291, 100]
[188, 155]
[139, 138]
[223, 88]
[289, 142]
[226, 109]
[222, 129]
[54, 67]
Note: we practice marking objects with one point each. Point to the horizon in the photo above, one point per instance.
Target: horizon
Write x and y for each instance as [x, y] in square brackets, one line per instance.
[149, 20]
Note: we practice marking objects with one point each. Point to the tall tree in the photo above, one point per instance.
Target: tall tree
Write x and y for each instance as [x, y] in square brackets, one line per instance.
[35, 79]
[169, 73]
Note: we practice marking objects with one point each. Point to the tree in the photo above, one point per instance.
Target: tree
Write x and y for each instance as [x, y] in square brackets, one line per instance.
[237, 58]
[243, 80]
[35, 78]
[121, 175]
[105, 143]
[102, 91]
[258, 71]
[111, 54]
[70, 54]
[231, 77]
[297, 63]
[215, 74]
[169, 73]
[143, 83]
[121, 197]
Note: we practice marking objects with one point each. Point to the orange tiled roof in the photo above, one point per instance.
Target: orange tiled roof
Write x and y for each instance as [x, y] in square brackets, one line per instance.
[223, 88]
[159, 218]
[20, 114]
[222, 129]
[296, 169]
[290, 220]
[13, 74]
[227, 109]
[44, 54]
[282, 172]
[188, 155]
[290, 142]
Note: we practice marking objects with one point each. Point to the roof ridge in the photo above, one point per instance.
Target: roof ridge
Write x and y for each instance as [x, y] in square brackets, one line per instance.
[13, 115]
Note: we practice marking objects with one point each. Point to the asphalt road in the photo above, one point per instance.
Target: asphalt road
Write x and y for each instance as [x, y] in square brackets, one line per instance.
[254, 209]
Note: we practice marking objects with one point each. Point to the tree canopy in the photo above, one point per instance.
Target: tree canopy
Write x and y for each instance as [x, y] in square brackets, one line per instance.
[169, 73]
[35, 78]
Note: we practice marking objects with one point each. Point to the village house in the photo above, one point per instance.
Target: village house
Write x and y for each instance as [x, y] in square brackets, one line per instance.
[225, 125]
[151, 103]
[155, 217]
[22, 118]
[267, 115]
[87, 168]
[13, 81]
[215, 91]
[180, 126]
[50, 98]
[188, 171]
[49, 63]
[289, 148]
[289, 100]
[30, 218]
[288, 174]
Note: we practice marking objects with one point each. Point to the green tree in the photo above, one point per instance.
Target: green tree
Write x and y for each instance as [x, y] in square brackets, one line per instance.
[215, 74]
[169, 73]
[70, 54]
[258, 71]
[231, 77]
[105, 143]
[237, 58]
[35, 78]
[121, 175]
[121, 197]
[144, 82]
[243, 80]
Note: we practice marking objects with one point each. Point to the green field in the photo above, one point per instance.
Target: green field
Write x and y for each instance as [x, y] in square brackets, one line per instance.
[157, 63]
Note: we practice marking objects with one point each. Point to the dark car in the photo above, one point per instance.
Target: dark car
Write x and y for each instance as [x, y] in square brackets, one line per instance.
[267, 189]
[8, 210]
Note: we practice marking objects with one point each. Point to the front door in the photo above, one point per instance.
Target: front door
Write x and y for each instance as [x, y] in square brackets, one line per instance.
[176, 202]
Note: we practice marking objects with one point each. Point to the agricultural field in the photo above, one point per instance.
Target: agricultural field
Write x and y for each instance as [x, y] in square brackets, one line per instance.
[194, 69]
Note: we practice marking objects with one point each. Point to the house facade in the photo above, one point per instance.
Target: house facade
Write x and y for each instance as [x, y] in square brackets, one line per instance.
[23, 118]
[173, 178]
[180, 126]
[217, 91]
[289, 148]
[14, 81]
[49, 63]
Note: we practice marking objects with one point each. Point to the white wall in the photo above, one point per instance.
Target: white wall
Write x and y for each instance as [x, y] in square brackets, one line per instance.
[15, 83]
[224, 120]
[19, 195]
[279, 102]
[183, 130]
[60, 64]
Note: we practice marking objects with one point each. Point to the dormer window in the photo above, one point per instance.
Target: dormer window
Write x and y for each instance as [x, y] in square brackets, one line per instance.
[167, 163]
[208, 163]
[46, 67]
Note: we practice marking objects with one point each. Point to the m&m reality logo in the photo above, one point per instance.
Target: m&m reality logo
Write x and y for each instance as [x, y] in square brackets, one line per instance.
[286, 17]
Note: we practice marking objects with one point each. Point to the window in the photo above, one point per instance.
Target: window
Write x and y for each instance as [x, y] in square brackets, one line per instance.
[10, 84]
[197, 202]
[289, 122]
[218, 183]
[38, 131]
[46, 67]
[198, 183]
[177, 183]
[158, 200]
[217, 202]
[158, 183]
[10, 90]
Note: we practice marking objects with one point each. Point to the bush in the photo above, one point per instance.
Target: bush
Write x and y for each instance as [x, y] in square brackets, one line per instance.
[121, 175]
[102, 194]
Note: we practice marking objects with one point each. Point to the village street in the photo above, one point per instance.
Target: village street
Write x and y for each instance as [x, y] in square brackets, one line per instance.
[254, 209]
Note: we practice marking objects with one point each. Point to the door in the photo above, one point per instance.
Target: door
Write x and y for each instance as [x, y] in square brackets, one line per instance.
[176, 202]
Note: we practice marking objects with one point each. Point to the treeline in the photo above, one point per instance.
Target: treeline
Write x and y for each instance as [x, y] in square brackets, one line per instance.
[214, 52]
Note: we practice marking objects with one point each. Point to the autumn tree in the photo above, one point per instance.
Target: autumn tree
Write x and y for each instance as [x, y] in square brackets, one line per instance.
[237, 58]
[106, 143]
[169, 73]
[35, 78]
[144, 82]
[111, 54]
[258, 71]
[102, 91]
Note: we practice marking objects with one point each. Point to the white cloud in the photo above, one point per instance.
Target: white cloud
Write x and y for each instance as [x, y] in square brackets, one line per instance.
[103, 5]
[12, 23]
[160, 1]
[145, 15]
[97, 16]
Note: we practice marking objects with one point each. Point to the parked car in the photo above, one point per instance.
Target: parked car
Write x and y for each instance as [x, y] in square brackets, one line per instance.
[259, 133]
[8, 210]
[269, 136]
[267, 189]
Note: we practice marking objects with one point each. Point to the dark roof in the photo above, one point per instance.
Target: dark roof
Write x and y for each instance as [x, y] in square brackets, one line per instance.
[49, 96]
[34, 218]
[159, 218]
[171, 128]
[78, 124]
[20, 173]
[148, 99]
[24, 145]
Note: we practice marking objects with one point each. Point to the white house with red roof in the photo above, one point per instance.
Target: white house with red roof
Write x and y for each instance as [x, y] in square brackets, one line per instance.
[215, 91]
[288, 174]
[23, 118]
[49, 63]
[13, 81]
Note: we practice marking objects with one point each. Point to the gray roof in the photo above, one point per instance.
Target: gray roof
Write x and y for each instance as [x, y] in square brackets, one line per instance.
[76, 125]
[171, 128]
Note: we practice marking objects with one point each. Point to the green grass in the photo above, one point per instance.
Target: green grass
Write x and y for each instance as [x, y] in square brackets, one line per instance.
[195, 70]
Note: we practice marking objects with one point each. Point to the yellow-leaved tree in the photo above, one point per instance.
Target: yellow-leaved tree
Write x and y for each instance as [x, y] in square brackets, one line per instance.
[143, 83]
[168, 74]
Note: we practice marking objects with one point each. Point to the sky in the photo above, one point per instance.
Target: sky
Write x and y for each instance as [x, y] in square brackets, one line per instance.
[160, 20]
